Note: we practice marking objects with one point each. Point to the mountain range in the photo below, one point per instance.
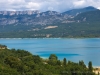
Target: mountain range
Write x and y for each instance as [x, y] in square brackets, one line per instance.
[39, 18]
[83, 22]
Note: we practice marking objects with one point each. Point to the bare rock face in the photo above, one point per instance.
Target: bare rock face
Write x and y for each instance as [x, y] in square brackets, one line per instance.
[39, 18]
[31, 17]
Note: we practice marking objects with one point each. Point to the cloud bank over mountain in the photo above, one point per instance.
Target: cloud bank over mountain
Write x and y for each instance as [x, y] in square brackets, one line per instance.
[44, 5]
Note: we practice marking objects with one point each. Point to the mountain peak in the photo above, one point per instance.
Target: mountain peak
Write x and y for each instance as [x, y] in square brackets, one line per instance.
[50, 13]
[78, 11]
[90, 8]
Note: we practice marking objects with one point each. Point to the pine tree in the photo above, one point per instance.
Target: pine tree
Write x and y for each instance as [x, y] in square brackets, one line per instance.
[90, 66]
[64, 62]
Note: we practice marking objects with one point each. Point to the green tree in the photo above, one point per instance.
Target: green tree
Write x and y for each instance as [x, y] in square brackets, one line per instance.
[81, 63]
[64, 62]
[53, 59]
[59, 63]
[13, 61]
[90, 66]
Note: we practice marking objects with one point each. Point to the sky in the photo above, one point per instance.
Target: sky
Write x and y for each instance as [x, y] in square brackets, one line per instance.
[45, 5]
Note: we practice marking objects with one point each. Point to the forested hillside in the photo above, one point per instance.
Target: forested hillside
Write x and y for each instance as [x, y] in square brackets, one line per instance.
[93, 16]
[70, 30]
[21, 62]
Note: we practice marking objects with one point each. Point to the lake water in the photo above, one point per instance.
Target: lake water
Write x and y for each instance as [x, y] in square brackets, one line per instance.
[87, 49]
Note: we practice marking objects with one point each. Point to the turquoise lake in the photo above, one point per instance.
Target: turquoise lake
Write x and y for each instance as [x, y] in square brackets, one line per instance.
[87, 49]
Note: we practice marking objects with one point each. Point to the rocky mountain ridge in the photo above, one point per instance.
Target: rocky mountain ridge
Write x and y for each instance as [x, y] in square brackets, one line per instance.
[18, 12]
[39, 18]
[31, 17]
[75, 12]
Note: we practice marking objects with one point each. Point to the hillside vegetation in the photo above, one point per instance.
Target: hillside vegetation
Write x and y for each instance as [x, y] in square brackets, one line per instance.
[21, 62]
[91, 16]
[70, 30]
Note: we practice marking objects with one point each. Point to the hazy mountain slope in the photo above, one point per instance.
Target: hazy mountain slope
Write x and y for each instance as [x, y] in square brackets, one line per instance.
[75, 12]
[91, 16]
[26, 18]
[50, 24]
[39, 18]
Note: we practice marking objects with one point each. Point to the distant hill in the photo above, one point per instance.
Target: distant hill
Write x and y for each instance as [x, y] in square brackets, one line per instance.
[39, 18]
[50, 24]
[91, 16]
[75, 12]
[61, 30]
[31, 17]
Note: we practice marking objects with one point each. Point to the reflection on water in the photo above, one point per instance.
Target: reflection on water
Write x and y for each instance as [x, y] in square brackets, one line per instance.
[73, 49]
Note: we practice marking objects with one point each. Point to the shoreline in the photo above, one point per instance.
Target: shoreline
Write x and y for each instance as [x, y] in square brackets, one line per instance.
[96, 66]
[56, 38]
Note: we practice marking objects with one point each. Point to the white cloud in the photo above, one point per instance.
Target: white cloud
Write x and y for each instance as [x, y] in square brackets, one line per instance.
[32, 5]
[43, 5]
[98, 8]
[15, 1]
[79, 3]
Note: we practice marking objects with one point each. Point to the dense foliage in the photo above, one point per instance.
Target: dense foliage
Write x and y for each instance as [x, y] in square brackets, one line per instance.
[21, 62]
[82, 29]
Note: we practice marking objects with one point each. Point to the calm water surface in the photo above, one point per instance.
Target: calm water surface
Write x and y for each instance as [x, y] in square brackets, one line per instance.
[73, 49]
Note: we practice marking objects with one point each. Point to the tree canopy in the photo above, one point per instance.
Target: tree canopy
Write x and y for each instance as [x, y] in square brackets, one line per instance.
[21, 62]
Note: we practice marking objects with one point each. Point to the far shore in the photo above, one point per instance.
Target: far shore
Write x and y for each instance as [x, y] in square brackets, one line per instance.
[57, 38]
